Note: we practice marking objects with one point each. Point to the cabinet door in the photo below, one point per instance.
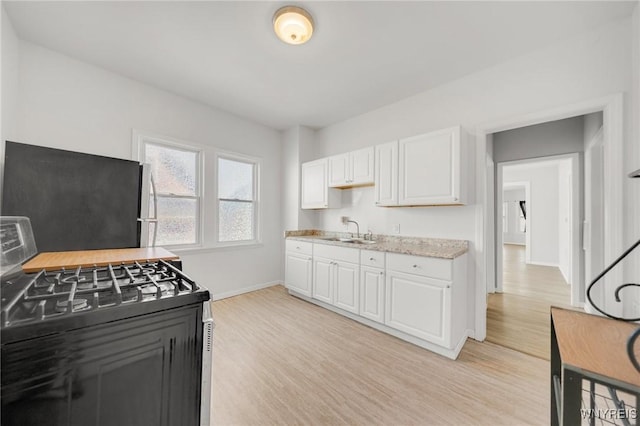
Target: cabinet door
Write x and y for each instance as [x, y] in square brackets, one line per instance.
[138, 371]
[298, 273]
[419, 306]
[339, 170]
[372, 293]
[346, 286]
[429, 168]
[323, 272]
[314, 185]
[362, 166]
[386, 174]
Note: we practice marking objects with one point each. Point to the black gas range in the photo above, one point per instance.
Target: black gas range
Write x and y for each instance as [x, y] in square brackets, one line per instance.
[126, 343]
[49, 301]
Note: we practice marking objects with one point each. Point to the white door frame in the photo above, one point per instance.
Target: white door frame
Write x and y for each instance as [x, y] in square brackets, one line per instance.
[596, 142]
[612, 108]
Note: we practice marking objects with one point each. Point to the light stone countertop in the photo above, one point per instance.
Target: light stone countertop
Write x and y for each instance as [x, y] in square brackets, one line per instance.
[428, 247]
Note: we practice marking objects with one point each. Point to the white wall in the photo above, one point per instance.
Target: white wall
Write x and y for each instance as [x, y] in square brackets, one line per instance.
[297, 147]
[290, 178]
[9, 88]
[542, 211]
[587, 66]
[68, 104]
[511, 234]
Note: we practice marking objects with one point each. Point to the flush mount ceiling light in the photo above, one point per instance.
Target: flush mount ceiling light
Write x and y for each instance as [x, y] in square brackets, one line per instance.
[293, 25]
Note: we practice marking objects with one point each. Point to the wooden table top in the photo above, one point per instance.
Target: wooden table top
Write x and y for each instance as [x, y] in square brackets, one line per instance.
[51, 261]
[596, 344]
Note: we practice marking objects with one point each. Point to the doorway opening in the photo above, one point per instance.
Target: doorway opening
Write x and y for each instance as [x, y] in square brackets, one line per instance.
[539, 257]
[539, 207]
[612, 110]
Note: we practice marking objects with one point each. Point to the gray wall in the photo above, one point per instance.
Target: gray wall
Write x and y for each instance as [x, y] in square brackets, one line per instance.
[542, 140]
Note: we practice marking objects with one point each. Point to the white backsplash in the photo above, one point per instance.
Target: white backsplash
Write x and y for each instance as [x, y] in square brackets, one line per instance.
[433, 222]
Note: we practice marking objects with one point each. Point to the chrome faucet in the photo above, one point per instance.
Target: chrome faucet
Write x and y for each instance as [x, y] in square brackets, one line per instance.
[346, 221]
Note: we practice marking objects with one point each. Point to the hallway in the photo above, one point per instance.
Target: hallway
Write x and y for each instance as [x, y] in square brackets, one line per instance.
[518, 318]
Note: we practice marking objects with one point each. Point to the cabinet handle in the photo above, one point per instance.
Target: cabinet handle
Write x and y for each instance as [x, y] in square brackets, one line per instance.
[415, 266]
[448, 286]
[297, 247]
[372, 259]
[311, 258]
[381, 273]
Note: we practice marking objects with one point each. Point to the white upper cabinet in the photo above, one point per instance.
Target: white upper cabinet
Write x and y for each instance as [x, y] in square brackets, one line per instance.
[386, 175]
[339, 170]
[362, 166]
[429, 169]
[315, 191]
[354, 168]
[432, 169]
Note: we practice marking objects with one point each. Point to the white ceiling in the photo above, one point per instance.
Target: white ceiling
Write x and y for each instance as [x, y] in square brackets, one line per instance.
[363, 54]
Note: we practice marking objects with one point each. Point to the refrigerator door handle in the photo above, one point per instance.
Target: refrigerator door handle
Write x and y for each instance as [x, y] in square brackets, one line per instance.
[147, 192]
[154, 218]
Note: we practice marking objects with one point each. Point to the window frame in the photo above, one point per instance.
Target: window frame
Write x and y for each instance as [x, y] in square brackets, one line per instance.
[256, 162]
[141, 140]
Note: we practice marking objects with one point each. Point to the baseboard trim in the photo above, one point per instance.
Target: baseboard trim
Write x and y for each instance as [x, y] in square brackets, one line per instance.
[440, 350]
[227, 294]
[532, 262]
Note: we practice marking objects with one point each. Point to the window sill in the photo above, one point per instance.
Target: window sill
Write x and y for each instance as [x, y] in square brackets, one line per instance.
[213, 249]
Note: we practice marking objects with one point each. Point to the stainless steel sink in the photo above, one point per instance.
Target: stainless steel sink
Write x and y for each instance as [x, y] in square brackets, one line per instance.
[349, 240]
[362, 242]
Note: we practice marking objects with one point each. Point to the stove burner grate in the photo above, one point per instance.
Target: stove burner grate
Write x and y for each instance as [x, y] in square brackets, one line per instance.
[66, 292]
[76, 305]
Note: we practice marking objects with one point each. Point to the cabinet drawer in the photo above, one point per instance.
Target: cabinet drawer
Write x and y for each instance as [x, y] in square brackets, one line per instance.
[372, 258]
[344, 254]
[423, 266]
[301, 247]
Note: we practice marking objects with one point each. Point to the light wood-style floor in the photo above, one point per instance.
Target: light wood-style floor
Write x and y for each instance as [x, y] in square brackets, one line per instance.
[280, 360]
[518, 318]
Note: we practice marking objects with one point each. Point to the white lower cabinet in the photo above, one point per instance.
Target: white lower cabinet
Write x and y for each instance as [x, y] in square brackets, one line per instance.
[372, 293]
[298, 266]
[372, 285]
[346, 286]
[419, 299]
[419, 306]
[323, 271]
[336, 276]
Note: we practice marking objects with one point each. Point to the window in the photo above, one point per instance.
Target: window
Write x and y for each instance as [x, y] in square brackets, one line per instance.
[176, 171]
[237, 199]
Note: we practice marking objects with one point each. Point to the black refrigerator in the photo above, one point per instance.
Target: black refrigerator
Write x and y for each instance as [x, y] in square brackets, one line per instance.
[76, 201]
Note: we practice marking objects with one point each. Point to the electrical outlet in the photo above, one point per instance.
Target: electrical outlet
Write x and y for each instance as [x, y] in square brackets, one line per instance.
[395, 228]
